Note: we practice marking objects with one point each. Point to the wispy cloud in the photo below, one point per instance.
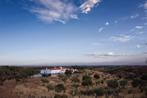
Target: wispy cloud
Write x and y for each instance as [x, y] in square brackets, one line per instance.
[134, 16]
[138, 46]
[60, 10]
[54, 10]
[108, 54]
[88, 5]
[139, 27]
[101, 29]
[145, 5]
[122, 38]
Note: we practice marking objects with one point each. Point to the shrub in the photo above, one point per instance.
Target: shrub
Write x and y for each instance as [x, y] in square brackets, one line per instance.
[68, 72]
[50, 87]
[108, 91]
[59, 88]
[144, 77]
[112, 83]
[75, 79]
[88, 92]
[123, 82]
[86, 80]
[44, 80]
[96, 76]
[99, 92]
[60, 96]
[63, 77]
[136, 82]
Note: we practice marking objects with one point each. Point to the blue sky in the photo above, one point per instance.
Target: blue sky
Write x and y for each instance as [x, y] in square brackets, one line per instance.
[73, 32]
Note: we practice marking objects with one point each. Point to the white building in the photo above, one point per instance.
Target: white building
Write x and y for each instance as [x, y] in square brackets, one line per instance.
[46, 72]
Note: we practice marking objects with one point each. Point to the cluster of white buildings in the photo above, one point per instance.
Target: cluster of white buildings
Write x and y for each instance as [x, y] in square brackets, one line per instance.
[50, 71]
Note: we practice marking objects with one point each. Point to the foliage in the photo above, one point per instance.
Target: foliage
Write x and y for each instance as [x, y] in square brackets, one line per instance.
[60, 96]
[63, 77]
[86, 80]
[136, 82]
[68, 72]
[88, 92]
[112, 83]
[44, 80]
[50, 87]
[123, 82]
[144, 77]
[75, 79]
[59, 88]
[99, 92]
[96, 76]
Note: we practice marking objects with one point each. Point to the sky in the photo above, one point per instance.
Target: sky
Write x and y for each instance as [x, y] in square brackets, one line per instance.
[50, 32]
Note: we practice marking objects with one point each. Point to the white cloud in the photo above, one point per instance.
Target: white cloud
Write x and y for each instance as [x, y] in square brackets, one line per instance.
[134, 16]
[107, 23]
[108, 54]
[101, 29]
[88, 5]
[122, 38]
[145, 5]
[139, 27]
[60, 10]
[54, 10]
[138, 46]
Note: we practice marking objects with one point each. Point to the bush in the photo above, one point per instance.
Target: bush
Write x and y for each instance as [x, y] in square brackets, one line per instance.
[59, 88]
[112, 83]
[88, 92]
[108, 91]
[144, 77]
[123, 82]
[96, 76]
[44, 80]
[75, 79]
[60, 96]
[63, 77]
[99, 92]
[86, 80]
[50, 87]
[68, 72]
[136, 82]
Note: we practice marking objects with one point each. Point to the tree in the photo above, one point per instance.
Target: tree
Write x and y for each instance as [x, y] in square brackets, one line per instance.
[59, 88]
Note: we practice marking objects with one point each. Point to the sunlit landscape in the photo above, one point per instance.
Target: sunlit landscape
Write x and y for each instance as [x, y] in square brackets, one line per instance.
[73, 48]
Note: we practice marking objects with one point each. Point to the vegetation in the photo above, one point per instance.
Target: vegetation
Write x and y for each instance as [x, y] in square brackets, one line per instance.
[88, 82]
[59, 88]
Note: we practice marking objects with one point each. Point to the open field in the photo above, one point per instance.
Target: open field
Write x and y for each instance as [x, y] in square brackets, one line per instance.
[87, 82]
